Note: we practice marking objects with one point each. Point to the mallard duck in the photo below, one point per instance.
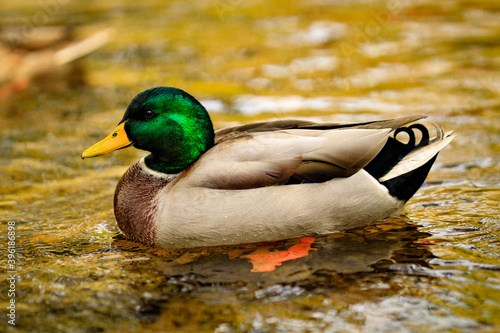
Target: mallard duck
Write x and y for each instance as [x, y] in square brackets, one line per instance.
[258, 182]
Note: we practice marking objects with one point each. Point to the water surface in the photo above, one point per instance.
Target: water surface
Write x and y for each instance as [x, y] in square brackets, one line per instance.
[435, 268]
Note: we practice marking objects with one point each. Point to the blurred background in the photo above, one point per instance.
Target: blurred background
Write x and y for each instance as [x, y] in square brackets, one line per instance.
[70, 68]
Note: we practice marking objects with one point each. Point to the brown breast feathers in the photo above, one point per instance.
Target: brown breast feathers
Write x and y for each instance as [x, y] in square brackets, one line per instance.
[135, 204]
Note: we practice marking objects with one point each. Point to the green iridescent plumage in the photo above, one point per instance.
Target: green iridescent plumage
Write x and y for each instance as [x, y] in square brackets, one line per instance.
[177, 131]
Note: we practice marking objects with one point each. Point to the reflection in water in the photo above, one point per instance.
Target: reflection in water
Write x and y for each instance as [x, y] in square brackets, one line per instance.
[344, 252]
[266, 259]
[280, 270]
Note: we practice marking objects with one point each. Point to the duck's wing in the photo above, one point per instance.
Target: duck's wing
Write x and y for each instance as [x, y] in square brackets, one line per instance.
[276, 153]
[271, 126]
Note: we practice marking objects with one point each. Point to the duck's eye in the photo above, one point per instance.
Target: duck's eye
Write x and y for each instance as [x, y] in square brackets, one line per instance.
[149, 114]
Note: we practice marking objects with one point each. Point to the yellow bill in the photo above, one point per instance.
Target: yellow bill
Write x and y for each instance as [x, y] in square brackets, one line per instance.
[116, 140]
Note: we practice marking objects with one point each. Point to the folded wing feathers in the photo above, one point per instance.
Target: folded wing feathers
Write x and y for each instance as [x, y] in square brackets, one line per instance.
[349, 149]
[277, 125]
[272, 158]
[265, 154]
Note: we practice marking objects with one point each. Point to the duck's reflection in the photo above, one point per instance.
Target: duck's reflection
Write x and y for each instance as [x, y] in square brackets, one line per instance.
[375, 247]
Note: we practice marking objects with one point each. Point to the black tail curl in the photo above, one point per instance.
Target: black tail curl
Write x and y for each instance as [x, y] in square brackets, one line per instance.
[404, 186]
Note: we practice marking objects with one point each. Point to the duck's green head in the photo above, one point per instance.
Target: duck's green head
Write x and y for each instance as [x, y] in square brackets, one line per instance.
[169, 123]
